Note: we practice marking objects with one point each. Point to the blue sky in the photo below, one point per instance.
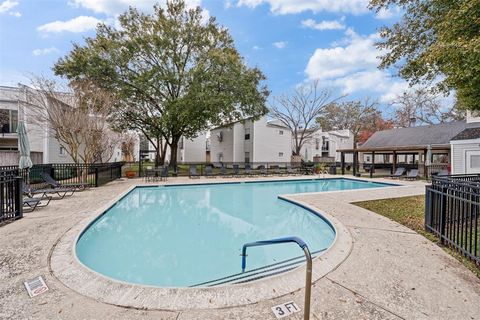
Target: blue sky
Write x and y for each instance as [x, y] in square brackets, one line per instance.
[291, 41]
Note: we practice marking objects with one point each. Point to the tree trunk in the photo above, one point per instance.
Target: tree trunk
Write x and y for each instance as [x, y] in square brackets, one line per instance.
[158, 156]
[173, 151]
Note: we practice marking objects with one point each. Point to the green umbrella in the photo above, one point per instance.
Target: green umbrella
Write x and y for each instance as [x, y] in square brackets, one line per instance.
[25, 161]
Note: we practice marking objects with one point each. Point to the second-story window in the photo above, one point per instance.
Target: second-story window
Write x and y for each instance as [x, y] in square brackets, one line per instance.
[61, 151]
[280, 132]
[247, 134]
[317, 144]
[8, 120]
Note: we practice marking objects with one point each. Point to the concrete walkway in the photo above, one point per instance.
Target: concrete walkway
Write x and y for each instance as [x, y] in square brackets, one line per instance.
[390, 273]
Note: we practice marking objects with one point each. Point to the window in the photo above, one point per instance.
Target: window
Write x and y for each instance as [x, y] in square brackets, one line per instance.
[247, 134]
[317, 144]
[220, 157]
[247, 157]
[280, 154]
[474, 161]
[280, 132]
[61, 151]
[8, 120]
[180, 144]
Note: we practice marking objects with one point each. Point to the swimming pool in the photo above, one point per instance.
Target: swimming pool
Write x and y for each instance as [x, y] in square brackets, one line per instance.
[180, 236]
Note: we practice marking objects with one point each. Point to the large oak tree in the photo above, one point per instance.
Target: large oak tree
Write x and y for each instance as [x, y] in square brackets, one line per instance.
[436, 39]
[174, 73]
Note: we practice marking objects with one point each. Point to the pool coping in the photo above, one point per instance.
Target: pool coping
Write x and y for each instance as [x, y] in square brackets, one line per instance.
[65, 266]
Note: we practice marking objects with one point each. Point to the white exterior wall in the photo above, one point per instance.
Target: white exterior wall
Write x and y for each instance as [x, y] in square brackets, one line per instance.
[459, 149]
[342, 139]
[194, 150]
[264, 145]
[269, 144]
[224, 147]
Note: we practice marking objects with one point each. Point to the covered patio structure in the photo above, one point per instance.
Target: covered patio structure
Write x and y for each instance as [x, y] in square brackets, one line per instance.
[426, 148]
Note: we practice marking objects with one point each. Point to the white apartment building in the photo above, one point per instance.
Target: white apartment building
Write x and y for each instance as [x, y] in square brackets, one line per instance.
[189, 150]
[251, 141]
[322, 146]
[44, 147]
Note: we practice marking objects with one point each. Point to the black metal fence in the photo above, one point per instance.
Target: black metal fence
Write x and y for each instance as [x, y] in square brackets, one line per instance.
[93, 174]
[183, 169]
[10, 196]
[452, 212]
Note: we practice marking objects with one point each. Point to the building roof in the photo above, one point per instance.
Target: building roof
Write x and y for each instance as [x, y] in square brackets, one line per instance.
[467, 134]
[417, 137]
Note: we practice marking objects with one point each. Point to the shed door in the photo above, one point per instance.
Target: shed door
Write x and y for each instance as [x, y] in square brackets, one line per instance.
[472, 161]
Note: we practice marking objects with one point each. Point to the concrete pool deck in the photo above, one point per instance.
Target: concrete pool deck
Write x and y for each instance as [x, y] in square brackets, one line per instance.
[390, 272]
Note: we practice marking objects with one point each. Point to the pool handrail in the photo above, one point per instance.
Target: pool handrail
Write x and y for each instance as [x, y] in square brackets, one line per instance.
[308, 256]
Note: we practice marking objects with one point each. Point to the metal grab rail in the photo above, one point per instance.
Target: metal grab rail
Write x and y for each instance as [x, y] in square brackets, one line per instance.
[308, 256]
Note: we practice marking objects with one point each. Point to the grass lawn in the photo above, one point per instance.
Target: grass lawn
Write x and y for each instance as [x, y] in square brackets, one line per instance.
[409, 211]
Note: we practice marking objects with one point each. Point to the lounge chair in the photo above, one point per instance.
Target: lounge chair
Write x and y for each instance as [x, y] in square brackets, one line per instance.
[398, 173]
[193, 172]
[55, 184]
[248, 169]
[209, 171]
[276, 170]
[59, 192]
[290, 170]
[223, 171]
[30, 204]
[412, 175]
[164, 173]
[263, 170]
[236, 170]
[150, 175]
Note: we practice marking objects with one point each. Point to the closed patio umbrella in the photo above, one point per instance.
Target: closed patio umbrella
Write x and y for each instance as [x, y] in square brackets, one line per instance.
[428, 156]
[25, 161]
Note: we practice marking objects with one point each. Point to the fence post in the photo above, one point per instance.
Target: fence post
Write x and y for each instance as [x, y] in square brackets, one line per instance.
[96, 177]
[18, 197]
[443, 213]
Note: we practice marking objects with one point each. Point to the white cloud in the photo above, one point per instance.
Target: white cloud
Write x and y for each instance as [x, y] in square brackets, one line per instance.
[115, 7]
[389, 13]
[297, 6]
[353, 68]
[42, 52]
[6, 5]
[324, 25]
[256, 48]
[77, 25]
[280, 44]
[15, 14]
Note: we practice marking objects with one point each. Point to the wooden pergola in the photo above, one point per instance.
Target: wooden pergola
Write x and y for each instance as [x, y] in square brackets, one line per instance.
[395, 151]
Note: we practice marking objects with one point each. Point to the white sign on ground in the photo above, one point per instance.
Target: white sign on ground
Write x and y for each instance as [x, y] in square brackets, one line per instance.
[285, 309]
[35, 286]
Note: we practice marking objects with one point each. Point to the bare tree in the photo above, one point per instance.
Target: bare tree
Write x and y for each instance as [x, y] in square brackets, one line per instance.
[423, 106]
[76, 115]
[299, 111]
[129, 140]
[356, 116]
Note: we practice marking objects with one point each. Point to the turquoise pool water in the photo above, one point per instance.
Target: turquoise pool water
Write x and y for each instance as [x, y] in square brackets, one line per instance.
[178, 236]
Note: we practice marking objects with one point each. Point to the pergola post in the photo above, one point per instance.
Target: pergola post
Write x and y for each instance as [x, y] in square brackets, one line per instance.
[355, 161]
[394, 167]
[342, 160]
[373, 164]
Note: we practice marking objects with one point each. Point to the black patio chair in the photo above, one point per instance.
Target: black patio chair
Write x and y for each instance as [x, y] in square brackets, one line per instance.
[398, 173]
[59, 192]
[223, 171]
[248, 169]
[263, 170]
[209, 172]
[55, 184]
[30, 204]
[164, 173]
[236, 170]
[193, 172]
[412, 175]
